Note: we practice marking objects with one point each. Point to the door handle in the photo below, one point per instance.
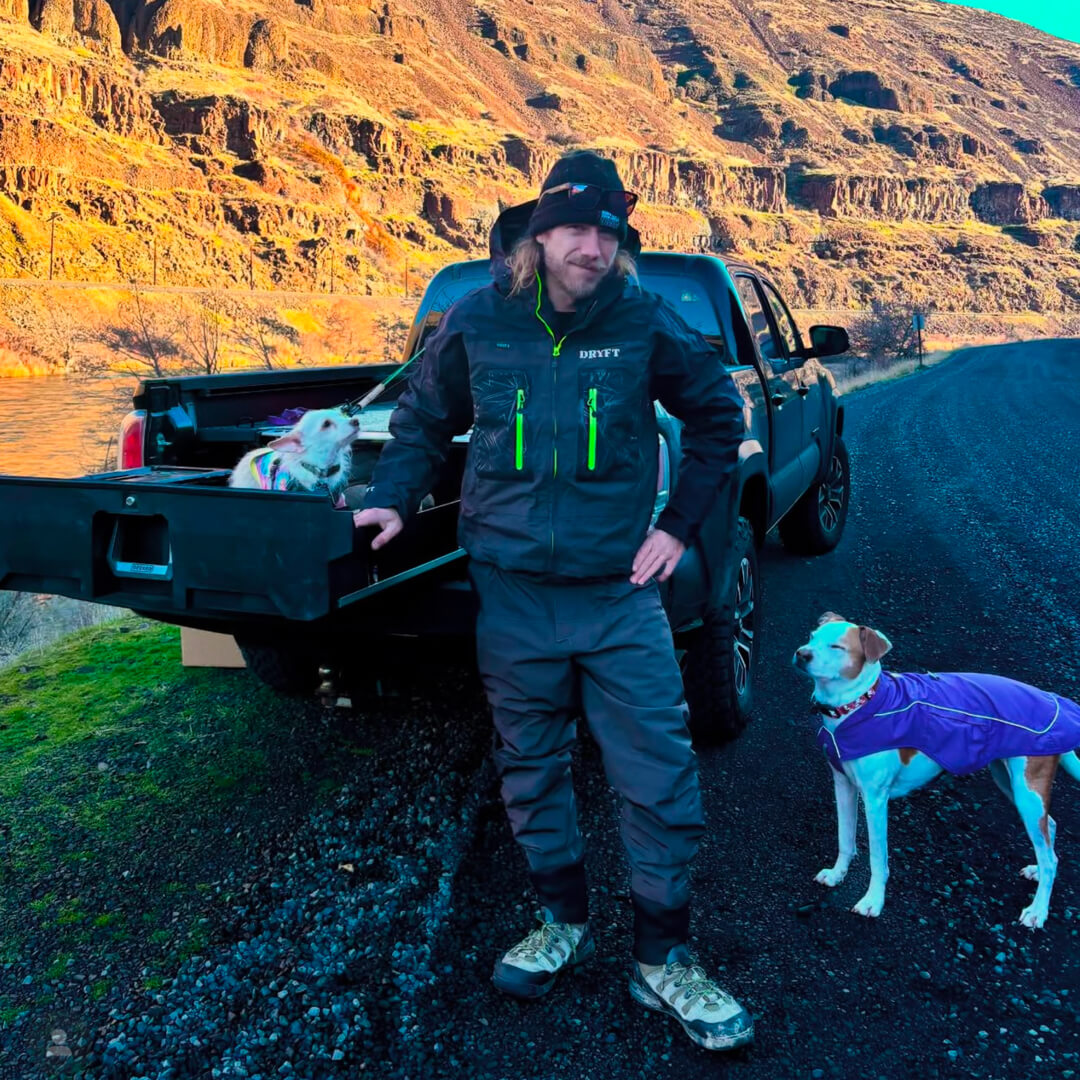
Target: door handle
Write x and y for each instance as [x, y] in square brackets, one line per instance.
[778, 399]
[802, 391]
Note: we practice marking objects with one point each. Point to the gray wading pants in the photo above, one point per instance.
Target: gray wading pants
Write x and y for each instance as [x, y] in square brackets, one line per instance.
[536, 641]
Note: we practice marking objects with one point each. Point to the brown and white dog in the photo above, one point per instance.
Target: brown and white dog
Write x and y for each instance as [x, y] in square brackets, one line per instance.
[886, 735]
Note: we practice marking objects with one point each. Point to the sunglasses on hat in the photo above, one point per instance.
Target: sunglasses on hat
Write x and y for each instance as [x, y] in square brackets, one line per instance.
[595, 197]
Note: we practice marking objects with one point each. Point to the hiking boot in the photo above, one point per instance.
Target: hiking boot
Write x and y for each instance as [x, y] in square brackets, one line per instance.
[530, 968]
[710, 1016]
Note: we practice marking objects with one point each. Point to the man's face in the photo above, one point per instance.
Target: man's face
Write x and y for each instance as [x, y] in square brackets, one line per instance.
[578, 256]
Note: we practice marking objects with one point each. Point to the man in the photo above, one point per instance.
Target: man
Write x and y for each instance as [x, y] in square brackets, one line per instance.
[555, 366]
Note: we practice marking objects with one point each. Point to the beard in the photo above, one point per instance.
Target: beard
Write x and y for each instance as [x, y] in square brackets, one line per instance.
[579, 280]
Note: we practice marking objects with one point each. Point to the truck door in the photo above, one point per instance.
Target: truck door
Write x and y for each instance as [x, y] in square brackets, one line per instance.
[785, 403]
[808, 385]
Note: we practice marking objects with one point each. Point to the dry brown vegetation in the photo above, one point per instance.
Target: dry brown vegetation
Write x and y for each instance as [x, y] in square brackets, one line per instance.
[848, 147]
[144, 331]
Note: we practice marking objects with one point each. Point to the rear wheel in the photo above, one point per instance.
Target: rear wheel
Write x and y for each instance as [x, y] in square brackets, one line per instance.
[814, 525]
[720, 656]
[284, 668]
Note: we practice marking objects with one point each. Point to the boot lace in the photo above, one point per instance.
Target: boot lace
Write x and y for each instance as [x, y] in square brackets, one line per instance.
[695, 983]
[541, 942]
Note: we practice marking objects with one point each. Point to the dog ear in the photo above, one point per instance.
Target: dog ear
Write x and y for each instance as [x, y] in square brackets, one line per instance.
[292, 441]
[874, 644]
[831, 616]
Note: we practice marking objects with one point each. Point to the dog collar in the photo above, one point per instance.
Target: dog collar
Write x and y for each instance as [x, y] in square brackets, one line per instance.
[837, 711]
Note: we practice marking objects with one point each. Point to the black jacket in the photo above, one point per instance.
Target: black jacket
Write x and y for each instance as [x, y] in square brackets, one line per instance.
[561, 473]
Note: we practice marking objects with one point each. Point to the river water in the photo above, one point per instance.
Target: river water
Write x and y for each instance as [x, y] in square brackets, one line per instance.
[60, 427]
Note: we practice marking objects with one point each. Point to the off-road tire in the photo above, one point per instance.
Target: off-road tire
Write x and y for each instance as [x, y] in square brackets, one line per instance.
[814, 525]
[720, 656]
[286, 669]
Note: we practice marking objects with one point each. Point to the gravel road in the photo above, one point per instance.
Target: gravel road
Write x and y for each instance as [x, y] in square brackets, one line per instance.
[365, 948]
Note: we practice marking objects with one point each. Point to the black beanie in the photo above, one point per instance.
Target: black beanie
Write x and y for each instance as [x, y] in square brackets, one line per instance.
[578, 167]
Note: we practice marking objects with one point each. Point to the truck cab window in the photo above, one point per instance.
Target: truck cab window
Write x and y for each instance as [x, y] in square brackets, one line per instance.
[744, 346]
[768, 346]
[784, 323]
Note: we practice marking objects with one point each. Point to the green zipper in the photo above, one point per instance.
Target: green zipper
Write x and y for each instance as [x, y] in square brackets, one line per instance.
[556, 349]
[539, 295]
[519, 431]
[592, 427]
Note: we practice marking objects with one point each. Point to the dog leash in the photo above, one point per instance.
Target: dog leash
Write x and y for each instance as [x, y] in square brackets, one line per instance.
[356, 405]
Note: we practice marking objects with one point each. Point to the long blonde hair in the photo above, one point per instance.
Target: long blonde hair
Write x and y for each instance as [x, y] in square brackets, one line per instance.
[528, 256]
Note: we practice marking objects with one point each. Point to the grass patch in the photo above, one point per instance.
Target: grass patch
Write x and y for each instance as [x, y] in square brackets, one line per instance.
[847, 384]
[119, 772]
[57, 968]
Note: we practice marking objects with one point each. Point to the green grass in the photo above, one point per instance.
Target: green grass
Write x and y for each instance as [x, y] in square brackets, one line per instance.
[119, 769]
[105, 732]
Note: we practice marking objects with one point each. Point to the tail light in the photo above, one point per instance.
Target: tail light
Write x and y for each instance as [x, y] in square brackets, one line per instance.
[132, 431]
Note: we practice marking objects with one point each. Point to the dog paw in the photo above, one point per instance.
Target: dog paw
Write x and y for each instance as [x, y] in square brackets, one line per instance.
[870, 906]
[1030, 872]
[831, 877]
[1033, 917]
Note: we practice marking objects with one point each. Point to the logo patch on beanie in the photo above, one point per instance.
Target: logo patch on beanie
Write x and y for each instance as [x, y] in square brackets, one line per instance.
[608, 220]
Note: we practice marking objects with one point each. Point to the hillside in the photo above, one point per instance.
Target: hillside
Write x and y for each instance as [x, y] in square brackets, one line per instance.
[855, 148]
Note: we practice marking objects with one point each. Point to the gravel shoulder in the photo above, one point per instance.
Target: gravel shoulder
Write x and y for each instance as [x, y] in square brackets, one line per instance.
[357, 891]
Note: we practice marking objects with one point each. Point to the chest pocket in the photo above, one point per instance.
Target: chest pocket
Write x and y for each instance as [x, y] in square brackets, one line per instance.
[609, 429]
[501, 406]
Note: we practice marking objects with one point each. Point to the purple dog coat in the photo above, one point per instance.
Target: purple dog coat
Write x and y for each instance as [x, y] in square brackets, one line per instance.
[962, 721]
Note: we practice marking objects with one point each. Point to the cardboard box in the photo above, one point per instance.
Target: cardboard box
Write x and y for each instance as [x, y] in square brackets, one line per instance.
[202, 648]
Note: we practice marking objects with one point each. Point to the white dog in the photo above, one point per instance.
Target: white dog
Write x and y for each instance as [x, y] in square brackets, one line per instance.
[886, 735]
[314, 456]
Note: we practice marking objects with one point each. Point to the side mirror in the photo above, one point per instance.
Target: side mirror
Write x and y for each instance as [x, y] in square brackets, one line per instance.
[828, 340]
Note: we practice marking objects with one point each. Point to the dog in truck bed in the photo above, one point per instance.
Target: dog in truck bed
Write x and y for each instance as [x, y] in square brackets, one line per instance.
[885, 735]
[315, 455]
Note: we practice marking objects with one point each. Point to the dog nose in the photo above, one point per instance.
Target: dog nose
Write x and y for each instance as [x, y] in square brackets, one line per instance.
[804, 655]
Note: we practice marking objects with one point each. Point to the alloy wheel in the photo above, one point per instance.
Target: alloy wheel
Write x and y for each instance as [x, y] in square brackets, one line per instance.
[744, 625]
[831, 496]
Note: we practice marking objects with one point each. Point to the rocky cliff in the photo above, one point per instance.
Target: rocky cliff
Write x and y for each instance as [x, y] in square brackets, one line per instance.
[846, 145]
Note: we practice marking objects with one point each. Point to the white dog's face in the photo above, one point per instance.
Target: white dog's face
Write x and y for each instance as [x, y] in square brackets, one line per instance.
[838, 650]
[319, 434]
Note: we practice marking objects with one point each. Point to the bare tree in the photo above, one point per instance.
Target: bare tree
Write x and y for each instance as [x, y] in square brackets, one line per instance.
[16, 618]
[44, 327]
[884, 334]
[393, 330]
[143, 342]
[261, 336]
[345, 337]
[203, 332]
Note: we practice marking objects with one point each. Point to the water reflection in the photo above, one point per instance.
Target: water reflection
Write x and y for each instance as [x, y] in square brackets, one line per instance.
[60, 427]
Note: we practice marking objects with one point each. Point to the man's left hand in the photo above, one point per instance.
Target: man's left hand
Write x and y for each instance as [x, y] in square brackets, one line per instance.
[657, 557]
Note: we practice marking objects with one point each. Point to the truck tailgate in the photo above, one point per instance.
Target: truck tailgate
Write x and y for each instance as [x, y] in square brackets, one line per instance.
[160, 541]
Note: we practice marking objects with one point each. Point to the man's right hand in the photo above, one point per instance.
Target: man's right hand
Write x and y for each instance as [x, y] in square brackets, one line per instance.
[388, 521]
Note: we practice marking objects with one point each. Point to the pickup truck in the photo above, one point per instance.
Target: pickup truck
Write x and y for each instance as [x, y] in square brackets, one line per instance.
[299, 588]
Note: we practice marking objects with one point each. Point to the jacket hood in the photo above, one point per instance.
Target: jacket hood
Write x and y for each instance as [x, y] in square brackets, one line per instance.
[510, 227]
